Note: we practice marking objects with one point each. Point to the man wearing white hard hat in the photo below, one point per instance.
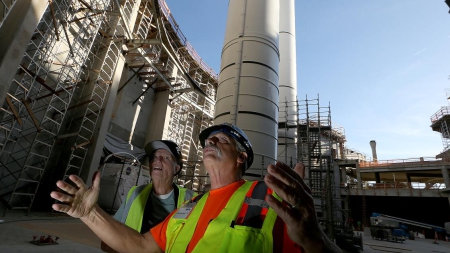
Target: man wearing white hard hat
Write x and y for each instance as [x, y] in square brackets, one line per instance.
[148, 205]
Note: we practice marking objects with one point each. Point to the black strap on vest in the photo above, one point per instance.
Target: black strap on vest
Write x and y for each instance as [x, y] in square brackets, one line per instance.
[255, 204]
[196, 198]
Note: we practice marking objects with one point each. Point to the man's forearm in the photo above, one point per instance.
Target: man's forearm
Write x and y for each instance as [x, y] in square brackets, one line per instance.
[106, 248]
[117, 235]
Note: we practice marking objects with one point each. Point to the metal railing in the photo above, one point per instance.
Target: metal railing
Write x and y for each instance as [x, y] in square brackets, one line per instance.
[398, 185]
[166, 11]
[445, 110]
[408, 162]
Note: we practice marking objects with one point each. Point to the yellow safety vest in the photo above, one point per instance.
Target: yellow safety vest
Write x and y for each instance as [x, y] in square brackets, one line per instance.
[221, 235]
[136, 200]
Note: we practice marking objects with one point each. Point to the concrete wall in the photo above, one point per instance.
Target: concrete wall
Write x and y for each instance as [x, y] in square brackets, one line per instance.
[129, 122]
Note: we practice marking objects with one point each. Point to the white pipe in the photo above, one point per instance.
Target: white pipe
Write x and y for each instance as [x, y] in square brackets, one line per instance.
[248, 81]
[287, 117]
[237, 75]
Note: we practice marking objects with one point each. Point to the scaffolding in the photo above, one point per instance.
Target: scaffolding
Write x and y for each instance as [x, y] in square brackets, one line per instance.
[440, 122]
[52, 71]
[5, 7]
[101, 63]
[59, 92]
[319, 144]
[193, 102]
[287, 147]
[166, 61]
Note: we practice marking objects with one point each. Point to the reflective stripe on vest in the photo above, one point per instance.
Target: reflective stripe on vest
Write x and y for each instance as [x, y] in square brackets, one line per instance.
[137, 199]
[222, 234]
[184, 195]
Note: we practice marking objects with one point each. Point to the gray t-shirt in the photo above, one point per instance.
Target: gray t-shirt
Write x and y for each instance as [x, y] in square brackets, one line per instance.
[161, 206]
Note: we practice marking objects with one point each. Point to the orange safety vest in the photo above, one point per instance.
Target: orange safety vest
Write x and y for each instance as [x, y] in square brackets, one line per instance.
[244, 225]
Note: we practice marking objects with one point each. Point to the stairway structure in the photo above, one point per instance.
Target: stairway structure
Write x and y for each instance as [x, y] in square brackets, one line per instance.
[440, 122]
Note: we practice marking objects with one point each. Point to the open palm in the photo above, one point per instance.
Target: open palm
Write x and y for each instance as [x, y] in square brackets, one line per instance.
[78, 201]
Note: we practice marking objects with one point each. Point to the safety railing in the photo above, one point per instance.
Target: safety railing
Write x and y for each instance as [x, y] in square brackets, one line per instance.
[397, 185]
[444, 111]
[421, 161]
[166, 11]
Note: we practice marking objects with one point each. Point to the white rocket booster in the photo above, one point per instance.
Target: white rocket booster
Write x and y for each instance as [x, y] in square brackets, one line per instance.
[248, 80]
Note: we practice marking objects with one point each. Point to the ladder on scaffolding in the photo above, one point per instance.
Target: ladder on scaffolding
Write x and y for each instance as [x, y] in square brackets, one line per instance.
[204, 123]
[445, 135]
[315, 150]
[187, 135]
[104, 59]
[188, 131]
[144, 21]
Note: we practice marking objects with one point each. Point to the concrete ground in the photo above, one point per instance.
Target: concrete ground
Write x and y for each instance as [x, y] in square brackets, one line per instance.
[17, 230]
[408, 246]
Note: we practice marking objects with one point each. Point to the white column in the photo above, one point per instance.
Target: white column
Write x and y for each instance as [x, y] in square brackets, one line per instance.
[445, 176]
[287, 117]
[358, 177]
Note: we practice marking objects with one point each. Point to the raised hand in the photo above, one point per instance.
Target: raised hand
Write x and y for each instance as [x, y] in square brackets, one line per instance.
[299, 213]
[300, 216]
[77, 201]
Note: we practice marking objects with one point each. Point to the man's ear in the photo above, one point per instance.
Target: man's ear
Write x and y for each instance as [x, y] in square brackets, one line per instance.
[242, 157]
[176, 169]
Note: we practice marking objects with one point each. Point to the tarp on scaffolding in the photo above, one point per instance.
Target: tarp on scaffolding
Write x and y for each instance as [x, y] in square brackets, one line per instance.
[115, 145]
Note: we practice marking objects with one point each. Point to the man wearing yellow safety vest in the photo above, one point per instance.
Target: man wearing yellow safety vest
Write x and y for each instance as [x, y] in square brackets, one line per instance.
[275, 215]
[148, 205]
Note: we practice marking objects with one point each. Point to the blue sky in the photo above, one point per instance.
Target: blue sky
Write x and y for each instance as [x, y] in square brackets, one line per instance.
[383, 65]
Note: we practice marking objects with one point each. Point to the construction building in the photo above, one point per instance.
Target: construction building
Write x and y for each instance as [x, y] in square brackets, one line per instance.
[88, 70]
[347, 187]
[100, 78]
[398, 187]
[85, 83]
